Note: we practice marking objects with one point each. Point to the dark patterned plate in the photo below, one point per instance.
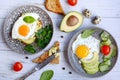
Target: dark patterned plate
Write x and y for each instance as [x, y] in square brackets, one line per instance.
[74, 61]
[9, 22]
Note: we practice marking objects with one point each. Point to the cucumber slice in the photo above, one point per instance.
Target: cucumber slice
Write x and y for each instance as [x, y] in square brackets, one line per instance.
[107, 42]
[114, 52]
[107, 62]
[104, 36]
[103, 67]
[105, 59]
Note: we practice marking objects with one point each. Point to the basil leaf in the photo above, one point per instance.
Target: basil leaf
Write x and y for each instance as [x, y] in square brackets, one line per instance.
[87, 33]
[47, 75]
[29, 19]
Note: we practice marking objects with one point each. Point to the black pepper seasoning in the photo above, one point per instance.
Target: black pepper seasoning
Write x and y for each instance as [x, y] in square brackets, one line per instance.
[70, 72]
[26, 57]
[63, 68]
[61, 36]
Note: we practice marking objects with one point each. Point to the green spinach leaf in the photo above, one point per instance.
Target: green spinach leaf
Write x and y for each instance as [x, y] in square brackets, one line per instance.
[87, 33]
[29, 48]
[47, 75]
[43, 36]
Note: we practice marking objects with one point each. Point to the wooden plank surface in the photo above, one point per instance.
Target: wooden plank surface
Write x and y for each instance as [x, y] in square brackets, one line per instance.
[109, 10]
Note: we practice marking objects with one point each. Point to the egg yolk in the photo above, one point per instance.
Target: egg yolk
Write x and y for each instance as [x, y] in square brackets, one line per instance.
[24, 30]
[82, 51]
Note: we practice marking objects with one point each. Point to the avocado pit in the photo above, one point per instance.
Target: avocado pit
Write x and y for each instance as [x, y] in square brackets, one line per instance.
[72, 20]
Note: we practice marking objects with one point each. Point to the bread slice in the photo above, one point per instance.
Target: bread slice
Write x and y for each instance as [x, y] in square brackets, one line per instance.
[56, 60]
[54, 6]
[41, 58]
[48, 53]
[44, 56]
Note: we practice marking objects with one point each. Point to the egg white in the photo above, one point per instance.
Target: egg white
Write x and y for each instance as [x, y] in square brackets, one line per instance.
[20, 22]
[91, 42]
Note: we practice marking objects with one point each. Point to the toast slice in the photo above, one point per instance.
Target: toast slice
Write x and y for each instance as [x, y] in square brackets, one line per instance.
[56, 60]
[48, 53]
[54, 6]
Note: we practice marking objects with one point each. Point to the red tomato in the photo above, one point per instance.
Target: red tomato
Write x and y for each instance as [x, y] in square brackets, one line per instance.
[17, 66]
[105, 49]
[72, 2]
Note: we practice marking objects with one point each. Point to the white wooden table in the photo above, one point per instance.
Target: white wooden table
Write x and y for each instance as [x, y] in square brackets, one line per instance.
[109, 10]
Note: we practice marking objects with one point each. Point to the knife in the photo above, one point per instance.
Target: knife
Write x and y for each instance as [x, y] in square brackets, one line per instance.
[38, 67]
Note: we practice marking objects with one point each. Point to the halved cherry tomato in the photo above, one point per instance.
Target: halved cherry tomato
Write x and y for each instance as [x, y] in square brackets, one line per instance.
[105, 49]
[72, 2]
[17, 66]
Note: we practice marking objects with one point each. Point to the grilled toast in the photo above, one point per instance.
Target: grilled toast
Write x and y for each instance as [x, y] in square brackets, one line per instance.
[48, 53]
[54, 6]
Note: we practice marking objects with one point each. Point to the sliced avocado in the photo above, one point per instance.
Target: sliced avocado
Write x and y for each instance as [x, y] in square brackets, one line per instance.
[112, 52]
[92, 65]
[28, 41]
[95, 58]
[71, 22]
[92, 71]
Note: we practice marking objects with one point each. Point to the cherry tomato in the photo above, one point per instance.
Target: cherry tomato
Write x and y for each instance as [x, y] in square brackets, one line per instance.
[105, 49]
[72, 2]
[17, 66]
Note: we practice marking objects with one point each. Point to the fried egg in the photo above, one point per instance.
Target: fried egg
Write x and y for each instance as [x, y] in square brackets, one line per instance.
[84, 47]
[22, 30]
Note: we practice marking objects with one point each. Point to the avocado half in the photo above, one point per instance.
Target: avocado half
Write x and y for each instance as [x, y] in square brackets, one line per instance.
[71, 21]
